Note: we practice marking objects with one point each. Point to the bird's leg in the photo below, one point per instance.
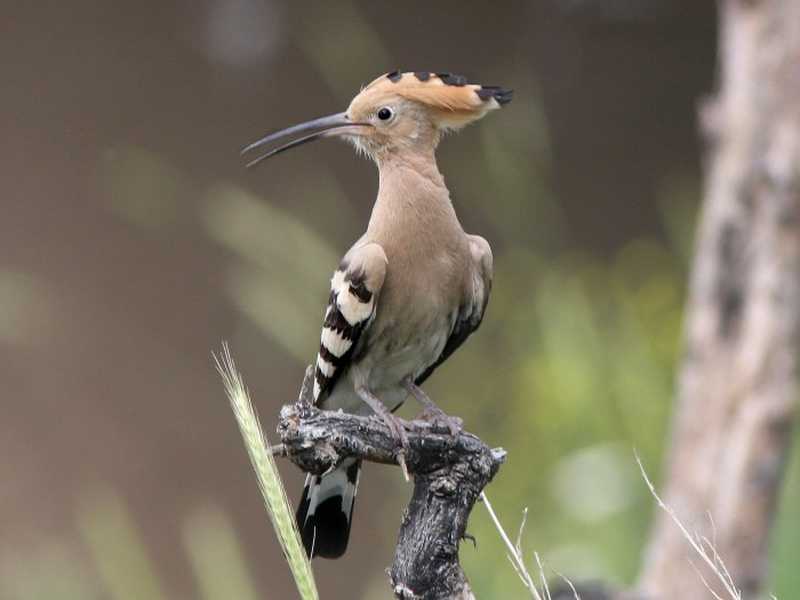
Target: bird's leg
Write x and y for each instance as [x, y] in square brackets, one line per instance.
[431, 412]
[394, 424]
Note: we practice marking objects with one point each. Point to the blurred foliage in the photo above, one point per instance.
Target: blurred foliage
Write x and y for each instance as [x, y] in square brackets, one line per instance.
[24, 308]
[217, 558]
[117, 549]
[356, 44]
[142, 187]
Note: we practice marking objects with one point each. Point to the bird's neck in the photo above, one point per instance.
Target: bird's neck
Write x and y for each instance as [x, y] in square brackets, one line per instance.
[412, 195]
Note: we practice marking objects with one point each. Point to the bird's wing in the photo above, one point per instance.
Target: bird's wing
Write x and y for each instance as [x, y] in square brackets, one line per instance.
[470, 313]
[355, 287]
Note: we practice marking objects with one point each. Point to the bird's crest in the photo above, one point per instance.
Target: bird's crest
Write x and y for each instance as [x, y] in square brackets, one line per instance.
[457, 101]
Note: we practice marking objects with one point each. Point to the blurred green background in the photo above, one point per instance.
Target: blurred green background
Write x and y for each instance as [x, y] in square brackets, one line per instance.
[132, 242]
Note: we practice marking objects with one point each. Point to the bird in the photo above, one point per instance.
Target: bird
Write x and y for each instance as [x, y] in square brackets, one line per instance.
[410, 290]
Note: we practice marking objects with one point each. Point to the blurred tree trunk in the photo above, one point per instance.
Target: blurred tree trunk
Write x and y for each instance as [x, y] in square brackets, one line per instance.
[737, 385]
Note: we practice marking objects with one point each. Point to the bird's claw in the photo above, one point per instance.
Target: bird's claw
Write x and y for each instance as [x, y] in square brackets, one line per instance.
[398, 431]
[431, 413]
[438, 418]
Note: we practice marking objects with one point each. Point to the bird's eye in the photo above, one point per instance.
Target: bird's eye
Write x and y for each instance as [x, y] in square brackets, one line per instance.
[385, 113]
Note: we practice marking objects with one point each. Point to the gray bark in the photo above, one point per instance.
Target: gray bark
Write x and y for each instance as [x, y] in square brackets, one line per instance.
[737, 385]
[449, 474]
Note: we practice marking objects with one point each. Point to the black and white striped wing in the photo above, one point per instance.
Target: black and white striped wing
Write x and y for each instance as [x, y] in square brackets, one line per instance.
[351, 308]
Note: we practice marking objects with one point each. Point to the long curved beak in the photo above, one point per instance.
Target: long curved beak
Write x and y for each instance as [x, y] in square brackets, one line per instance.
[338, 124]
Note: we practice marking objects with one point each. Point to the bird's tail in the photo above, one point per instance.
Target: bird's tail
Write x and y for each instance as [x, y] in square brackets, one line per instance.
[326, 510]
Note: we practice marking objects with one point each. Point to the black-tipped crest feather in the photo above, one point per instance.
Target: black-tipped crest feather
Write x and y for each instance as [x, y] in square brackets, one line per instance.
[502, 95]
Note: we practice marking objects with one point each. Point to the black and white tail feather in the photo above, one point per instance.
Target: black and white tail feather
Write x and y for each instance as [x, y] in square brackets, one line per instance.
[325, 511]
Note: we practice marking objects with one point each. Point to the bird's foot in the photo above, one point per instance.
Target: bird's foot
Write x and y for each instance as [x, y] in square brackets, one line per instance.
[397, 428]
[395, 424]
[431, 413]
[438, 418]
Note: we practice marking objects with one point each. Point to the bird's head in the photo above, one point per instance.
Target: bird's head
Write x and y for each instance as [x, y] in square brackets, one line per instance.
[396, 113]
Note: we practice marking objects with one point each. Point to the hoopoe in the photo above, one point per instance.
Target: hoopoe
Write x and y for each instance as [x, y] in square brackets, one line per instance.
[410, 290]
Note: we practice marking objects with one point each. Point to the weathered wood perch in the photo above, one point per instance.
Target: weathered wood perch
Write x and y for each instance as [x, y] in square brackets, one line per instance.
[449, 474]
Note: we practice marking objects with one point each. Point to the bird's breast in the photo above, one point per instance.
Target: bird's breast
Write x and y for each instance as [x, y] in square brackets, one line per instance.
[415, 310]
[413, 319]
[405, 349]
